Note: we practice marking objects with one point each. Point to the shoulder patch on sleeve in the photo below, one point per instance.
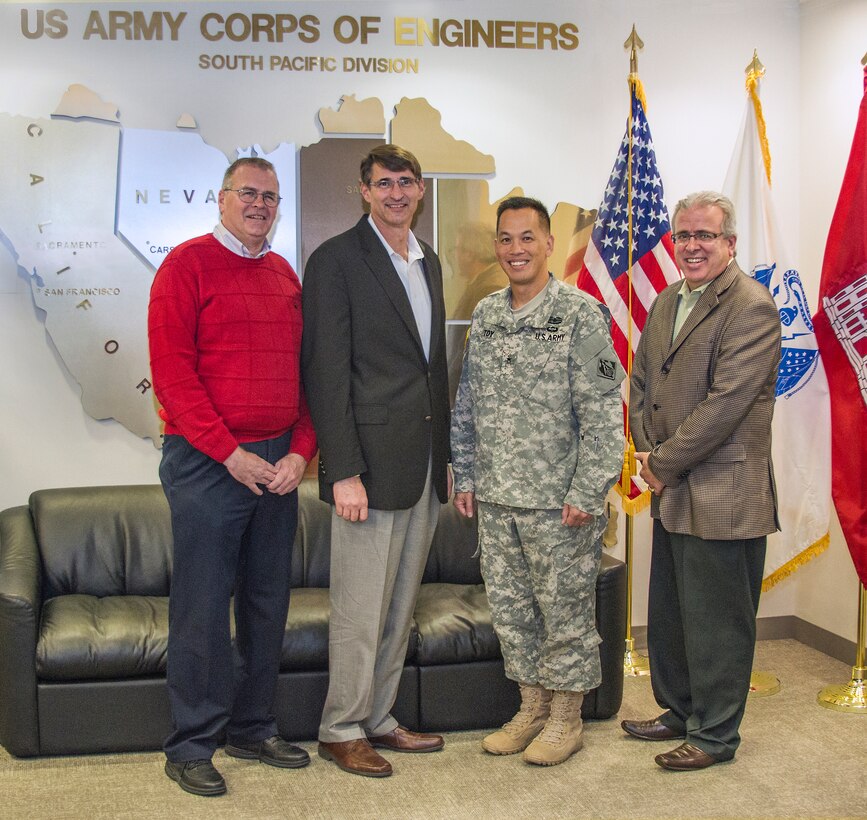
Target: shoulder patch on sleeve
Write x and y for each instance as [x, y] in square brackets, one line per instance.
[596, 355]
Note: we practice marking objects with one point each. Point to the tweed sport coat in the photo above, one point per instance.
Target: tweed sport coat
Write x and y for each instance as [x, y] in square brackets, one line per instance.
[702, 404]
[380, 409]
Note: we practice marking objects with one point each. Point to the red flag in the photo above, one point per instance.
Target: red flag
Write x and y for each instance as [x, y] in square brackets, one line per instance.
[605, 270]
[841, 328]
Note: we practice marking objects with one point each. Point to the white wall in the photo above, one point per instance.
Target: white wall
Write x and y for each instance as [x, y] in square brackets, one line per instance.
[553, 123]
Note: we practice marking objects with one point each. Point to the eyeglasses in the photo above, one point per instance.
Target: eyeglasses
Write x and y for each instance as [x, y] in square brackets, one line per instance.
[249, 195]
[386, 184]
[682, 237]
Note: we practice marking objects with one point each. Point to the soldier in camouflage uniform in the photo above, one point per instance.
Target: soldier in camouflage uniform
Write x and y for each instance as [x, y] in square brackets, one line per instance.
[536, 442]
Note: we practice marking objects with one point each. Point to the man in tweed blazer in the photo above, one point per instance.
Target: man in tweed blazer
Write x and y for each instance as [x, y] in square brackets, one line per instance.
[701, 403]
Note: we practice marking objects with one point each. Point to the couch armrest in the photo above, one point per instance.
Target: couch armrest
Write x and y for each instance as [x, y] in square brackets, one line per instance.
[20, 605]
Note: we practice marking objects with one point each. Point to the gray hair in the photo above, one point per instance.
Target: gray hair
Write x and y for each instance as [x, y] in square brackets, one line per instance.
[256, 162]
[705, 199]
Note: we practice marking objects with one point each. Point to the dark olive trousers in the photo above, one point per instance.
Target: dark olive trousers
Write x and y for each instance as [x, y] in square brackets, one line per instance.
[701, 634]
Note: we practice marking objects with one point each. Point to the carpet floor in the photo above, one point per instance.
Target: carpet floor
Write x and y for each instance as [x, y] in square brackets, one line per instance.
[797, 760]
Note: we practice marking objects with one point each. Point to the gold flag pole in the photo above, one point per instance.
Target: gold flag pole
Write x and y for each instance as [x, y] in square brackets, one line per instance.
[634, 664]
[852, 697]
[761, 683]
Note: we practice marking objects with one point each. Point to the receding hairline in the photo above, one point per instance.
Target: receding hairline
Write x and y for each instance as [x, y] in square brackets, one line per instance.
[243, 162]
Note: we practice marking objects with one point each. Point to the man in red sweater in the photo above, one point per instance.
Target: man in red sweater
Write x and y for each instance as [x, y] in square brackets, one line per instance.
[224, 325]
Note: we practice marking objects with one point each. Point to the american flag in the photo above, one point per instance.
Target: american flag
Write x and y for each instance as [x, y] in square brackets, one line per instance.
[604, 272]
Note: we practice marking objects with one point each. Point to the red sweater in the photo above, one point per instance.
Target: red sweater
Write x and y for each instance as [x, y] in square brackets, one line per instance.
[225, 341]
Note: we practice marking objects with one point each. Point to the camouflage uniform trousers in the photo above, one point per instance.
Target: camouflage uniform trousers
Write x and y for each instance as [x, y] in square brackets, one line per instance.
[541, 583]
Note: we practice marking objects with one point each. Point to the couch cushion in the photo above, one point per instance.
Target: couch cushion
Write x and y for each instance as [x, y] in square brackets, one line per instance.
[82, 637]
[454, 625]
[103, 540]
[305, 643]
[87, 638]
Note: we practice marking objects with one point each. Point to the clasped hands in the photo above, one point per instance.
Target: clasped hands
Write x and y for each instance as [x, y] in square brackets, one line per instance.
[656, 486]
[252, 470]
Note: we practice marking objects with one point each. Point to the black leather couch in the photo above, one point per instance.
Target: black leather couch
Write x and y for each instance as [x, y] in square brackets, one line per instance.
[84, 580]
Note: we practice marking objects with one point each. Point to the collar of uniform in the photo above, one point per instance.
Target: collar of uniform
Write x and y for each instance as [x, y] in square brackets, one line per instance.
[228, 240]
[539, 317]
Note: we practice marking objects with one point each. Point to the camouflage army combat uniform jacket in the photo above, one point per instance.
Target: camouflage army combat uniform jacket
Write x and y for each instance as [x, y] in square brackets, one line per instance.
[537, 420]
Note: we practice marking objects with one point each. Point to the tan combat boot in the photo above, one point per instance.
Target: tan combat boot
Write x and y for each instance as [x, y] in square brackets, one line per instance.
[527, 723]
[561, 736]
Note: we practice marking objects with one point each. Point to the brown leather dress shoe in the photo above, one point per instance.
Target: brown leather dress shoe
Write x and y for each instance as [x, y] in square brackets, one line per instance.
[684, 758]
[400, 739]
[650, 730]
[356, 757]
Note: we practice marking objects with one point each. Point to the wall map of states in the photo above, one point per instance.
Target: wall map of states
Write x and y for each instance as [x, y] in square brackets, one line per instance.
[94, 208]
[91, 236]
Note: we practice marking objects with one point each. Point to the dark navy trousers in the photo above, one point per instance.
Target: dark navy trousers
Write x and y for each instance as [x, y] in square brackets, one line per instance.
[227, 540]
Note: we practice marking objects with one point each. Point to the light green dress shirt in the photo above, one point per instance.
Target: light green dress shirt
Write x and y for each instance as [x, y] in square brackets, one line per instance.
[686, 301]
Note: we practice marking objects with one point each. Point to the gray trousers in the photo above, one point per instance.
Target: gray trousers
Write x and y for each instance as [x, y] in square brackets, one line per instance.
[376, 571]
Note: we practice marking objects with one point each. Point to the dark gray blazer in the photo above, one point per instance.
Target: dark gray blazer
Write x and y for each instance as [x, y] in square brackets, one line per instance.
[379, 408]
[702, 405]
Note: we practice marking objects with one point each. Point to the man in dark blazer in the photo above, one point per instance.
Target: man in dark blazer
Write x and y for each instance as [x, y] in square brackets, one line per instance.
[374, 365]
[701, 404]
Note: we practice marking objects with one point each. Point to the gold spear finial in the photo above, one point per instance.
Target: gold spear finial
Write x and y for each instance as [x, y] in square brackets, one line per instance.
[755, 67]
[635, 44]
[864, 59]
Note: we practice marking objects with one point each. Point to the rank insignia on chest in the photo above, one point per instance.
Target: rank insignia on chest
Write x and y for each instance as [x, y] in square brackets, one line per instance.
[554, 323]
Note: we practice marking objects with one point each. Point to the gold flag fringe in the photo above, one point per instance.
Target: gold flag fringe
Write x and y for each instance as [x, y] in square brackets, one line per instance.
[752, 88]
[635, 80]
[633, 506]
[817, 548]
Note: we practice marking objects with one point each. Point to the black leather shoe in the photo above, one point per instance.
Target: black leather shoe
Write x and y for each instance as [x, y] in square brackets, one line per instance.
[650, 730]
[274, 751]
[197, 777]
[685, 758]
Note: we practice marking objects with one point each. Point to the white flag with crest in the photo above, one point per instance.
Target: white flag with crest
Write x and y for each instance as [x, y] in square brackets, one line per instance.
[802, 414]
